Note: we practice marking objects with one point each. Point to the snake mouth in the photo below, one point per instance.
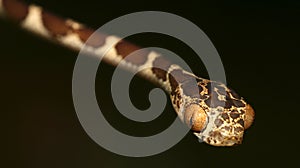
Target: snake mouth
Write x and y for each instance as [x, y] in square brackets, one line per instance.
[220, 140]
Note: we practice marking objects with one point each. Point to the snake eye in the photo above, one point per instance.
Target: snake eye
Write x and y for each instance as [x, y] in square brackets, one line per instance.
[249, 116]
[195, 117]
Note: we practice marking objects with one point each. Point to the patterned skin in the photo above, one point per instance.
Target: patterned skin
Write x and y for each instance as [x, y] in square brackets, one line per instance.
[215, 113]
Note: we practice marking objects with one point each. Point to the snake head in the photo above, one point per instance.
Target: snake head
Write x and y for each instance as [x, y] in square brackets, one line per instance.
[215, 113]
[219, 116]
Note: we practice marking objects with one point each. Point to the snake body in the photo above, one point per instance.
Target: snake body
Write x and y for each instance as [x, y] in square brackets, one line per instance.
[215, 113]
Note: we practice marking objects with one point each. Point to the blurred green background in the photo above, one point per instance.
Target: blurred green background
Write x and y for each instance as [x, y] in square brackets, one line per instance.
[258, 43]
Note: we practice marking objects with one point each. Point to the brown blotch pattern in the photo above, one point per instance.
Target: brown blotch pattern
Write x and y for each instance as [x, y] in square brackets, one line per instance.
[227, 128]
[238, 103]
[180, 77]
[191, 88]
[160, 74]
[228, 103]
[215, 92]
[97, 40]
[218, 122]
[178, 104]
[239, 129]
[160, 68]
[54, 24]
[209, 87]
[15, 10]
[174, 84]
[221, 91]
[177, 76]
[225, 116]
[213, 101]
[124, 48]
[241, 122]
[233, 102]
[176, 98]
[234, 115]
[234, 94]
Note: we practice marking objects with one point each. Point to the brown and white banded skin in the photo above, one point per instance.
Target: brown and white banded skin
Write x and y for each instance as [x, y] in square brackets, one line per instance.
[216, 114]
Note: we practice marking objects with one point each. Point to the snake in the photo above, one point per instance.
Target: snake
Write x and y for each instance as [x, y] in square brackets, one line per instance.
[215, 113]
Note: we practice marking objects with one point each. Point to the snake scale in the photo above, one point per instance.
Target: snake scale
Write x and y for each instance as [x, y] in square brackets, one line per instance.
[215, 113]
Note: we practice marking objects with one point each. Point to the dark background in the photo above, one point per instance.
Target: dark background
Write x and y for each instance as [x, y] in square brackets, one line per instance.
[258, 43]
